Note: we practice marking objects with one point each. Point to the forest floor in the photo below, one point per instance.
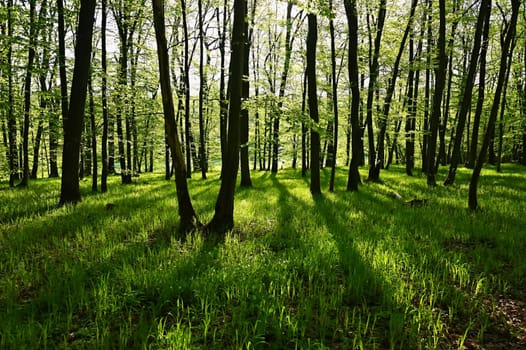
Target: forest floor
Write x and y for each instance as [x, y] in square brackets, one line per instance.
[337, 271]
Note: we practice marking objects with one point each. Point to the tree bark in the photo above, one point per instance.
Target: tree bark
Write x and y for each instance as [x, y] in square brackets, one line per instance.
[467, 94]
[187, 215]
[440, 82]
[353, 179]
[69, 190]
[334, 102]
[506, 51]
[223, 219]
[105, 119]
[374, 172]
[312, 38]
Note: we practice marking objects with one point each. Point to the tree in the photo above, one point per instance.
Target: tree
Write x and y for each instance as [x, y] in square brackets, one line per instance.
[506, 52]
[374, 170]
[105, 117]
[334, 79]
[246, 181]
[353, 179]
[69, 190]
[187, 215]
[467, 85]
[223, 219]
[373, 75]
[440, 82]
[312, 38]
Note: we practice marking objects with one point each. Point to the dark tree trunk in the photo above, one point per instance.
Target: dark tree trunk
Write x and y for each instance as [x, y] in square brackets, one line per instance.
[43, 108]
[187, 215]
[223, 100]
[186, 80]
[334, 151]
[69, 190]
[223, 219]
[427, 92]
[11, 120]
[373, 76]
[304, 164]
[93, 134]
[289, 40]
[506, 51]
[105, 121]
[27, 91]
[472, 157]
[353, 179]
[374, 172]
[312, 39]
[202, 89]
[440, 82]
[244, 118]
[467, 93]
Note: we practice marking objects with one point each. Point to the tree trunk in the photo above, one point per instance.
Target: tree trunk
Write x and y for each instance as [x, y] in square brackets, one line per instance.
[334, 102]
[312, 38]
[289, 40]
[27, 91]
[105, 120]
[244, 136]
[186, 80]
[440, 82]
[69, 190]
[371, 89]
[472, 157]
[374, 172]
[93, 134]
[11, 119]
[202, 88]
[353, 179]
[506, 51]
[187, 215]
[467, 93]
[304, 164]
[223, 219]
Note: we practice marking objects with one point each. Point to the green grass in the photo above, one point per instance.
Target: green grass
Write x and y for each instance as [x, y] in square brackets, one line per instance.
[339, 271]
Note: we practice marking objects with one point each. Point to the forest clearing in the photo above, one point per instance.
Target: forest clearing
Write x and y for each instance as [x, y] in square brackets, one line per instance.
[342, 270]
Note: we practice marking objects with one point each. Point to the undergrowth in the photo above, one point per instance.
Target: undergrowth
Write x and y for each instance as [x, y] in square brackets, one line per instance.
[341, 270]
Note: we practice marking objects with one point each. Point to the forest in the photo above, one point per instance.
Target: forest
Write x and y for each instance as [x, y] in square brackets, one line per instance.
[348, 174]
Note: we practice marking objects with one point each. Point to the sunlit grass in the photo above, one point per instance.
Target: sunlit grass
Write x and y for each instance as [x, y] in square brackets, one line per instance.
[342, 270]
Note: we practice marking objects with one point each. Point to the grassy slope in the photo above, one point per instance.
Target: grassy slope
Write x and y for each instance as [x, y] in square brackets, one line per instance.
[345, 270]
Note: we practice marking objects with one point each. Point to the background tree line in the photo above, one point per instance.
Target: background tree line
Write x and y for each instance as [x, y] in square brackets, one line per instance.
[356, 83]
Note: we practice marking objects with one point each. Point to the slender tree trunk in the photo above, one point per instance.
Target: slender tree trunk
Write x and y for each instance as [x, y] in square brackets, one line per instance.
[467, 93]
[472, 157]
[187, 215]
[503, 108]
[289, 40]
[43, 108]
[202, 88]
[11, 119]
[105, 121]
[223, 219]
[312, 38]
[186, 80]
[427, 92]
[27, 92]
[93, 134]
[304, 164]
[506, 51]
[373, 76]
[374, 172]
[69, 190]
[244, 119]
[353, 179]
[334, 102]
[223, 100]
[440, 73]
